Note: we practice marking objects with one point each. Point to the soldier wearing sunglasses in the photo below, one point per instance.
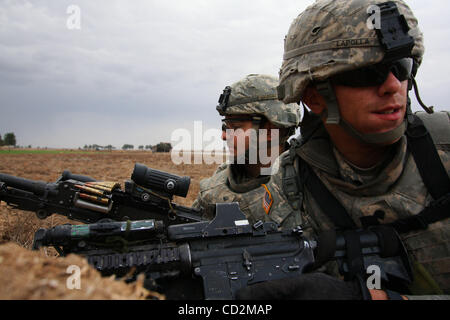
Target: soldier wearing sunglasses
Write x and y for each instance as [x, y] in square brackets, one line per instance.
[365, 160]
[252, 114]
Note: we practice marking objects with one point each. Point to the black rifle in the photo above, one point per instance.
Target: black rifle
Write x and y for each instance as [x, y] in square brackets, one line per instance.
[218, 257]
[148, 195]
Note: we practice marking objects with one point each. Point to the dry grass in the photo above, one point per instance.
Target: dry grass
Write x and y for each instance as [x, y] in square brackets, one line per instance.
[19, 226]
[39, 275]
[33, 276]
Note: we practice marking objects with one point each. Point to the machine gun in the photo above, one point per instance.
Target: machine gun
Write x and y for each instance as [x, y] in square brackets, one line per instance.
[219, 257]
[148, 195]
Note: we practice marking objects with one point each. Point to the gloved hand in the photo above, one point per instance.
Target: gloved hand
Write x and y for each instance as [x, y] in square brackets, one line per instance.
[311, 286]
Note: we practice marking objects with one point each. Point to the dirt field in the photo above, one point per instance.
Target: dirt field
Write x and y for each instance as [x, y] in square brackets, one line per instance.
[17, 228]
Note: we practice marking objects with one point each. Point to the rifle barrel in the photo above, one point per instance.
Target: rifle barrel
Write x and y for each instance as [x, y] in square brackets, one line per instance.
[36, 187]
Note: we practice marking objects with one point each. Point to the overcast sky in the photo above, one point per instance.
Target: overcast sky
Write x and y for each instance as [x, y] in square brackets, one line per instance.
[137, 70]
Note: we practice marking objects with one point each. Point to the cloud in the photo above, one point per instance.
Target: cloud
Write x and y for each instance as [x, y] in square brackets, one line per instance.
[137, 70]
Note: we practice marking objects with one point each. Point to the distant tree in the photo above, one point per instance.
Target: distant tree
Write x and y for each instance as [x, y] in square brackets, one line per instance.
[148, 147]
[141, 147]
[1, 141]
[163, 147]
[127, 146]
[9, 139]
[97, 147]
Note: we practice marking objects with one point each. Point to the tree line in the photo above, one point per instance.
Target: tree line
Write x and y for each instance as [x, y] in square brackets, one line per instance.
[160, 147]
[9, 139]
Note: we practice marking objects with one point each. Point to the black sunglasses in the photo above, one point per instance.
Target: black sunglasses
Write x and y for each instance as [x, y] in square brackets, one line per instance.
[375, 75]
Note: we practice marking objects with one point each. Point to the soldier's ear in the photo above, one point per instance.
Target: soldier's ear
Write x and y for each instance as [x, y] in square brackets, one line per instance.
[313, 100]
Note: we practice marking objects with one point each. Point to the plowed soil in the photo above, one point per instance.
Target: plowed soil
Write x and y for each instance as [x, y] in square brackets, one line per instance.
[26, 274]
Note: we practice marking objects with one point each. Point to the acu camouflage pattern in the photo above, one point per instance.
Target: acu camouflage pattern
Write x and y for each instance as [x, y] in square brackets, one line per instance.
[330, 37]
[224, 187]
[395, 188]
[256, 95]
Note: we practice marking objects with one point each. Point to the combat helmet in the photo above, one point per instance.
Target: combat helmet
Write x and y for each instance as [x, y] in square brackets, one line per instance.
[335, 36]
[256, 95]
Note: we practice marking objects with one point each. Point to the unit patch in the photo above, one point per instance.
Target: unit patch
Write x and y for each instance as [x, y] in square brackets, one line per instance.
[267, 200]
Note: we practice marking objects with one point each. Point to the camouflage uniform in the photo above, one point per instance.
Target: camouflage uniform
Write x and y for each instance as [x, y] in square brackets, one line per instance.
[254, 95]
[318, 45]
[393, 187]
[228, 184]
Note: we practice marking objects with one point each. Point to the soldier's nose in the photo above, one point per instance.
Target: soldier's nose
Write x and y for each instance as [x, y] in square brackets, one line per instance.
[391, 85]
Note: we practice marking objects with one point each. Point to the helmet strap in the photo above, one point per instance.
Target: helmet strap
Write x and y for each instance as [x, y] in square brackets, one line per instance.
[375, 138]
[429, 110]
[332, 113]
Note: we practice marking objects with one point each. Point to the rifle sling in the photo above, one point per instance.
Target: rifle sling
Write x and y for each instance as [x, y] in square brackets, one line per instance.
[325, 199]
[427, 159]
[291, 185]
[437, 210]
[354, 254]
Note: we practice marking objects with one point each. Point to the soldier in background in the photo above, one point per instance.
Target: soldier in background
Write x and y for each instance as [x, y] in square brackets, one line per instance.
[249, 104]
[364, 159]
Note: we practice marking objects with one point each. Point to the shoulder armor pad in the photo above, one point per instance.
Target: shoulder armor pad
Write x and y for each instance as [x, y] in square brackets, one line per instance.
[438, 124]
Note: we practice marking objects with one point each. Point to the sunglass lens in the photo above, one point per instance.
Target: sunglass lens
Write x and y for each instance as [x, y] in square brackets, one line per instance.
[375, 75]
[402, 69]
